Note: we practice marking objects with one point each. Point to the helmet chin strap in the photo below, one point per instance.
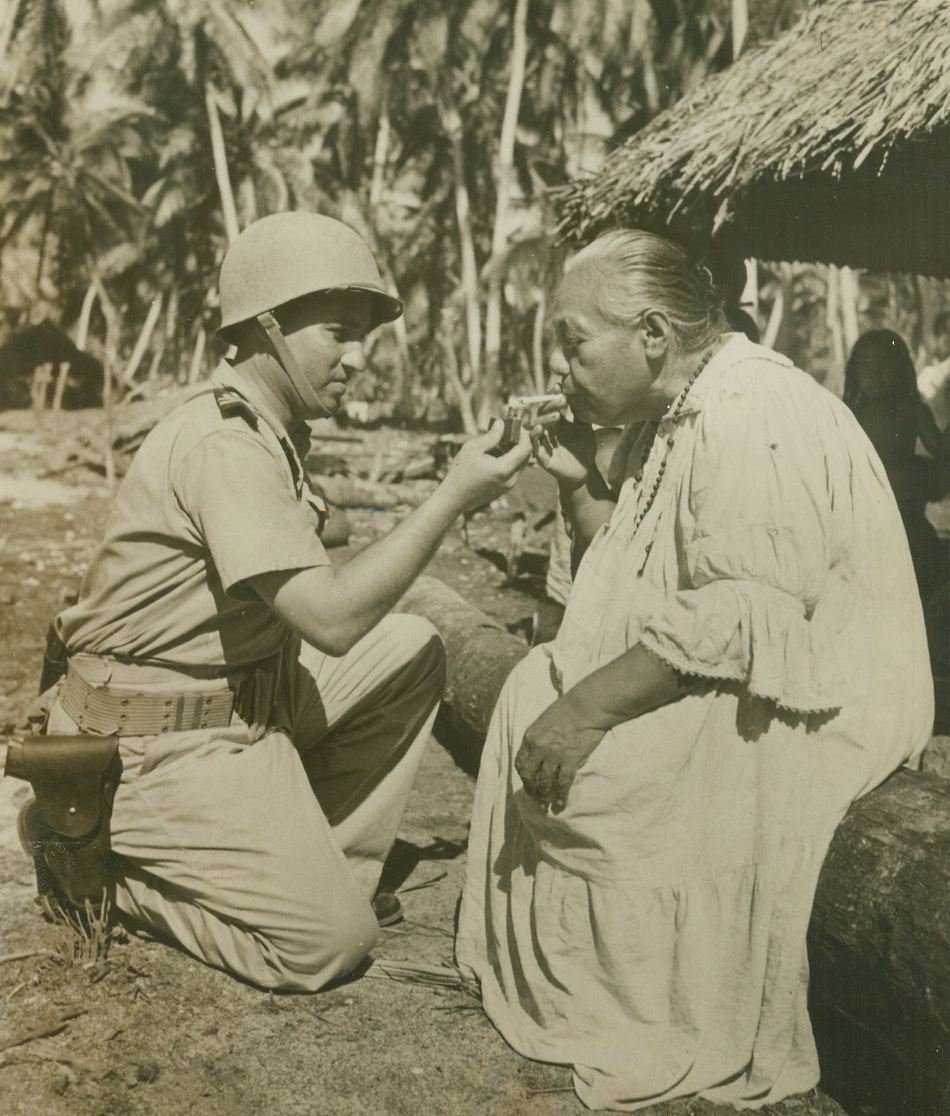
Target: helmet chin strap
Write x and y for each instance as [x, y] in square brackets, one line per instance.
[312, 404]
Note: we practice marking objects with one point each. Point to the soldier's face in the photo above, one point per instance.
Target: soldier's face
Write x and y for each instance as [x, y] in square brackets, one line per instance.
[326, 335]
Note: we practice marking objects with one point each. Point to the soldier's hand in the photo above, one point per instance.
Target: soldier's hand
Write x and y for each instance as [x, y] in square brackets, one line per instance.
[477, 477]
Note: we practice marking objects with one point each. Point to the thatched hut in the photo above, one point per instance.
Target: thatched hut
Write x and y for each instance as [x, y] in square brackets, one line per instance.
[830, 144]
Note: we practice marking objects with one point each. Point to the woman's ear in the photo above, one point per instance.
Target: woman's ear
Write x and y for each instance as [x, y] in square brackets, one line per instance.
[657, 332]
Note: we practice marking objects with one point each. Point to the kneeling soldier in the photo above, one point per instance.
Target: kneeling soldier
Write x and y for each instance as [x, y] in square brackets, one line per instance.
[270, 716]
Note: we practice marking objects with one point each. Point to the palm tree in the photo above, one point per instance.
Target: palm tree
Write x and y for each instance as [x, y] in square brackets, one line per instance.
[209, 88]
[67, 184]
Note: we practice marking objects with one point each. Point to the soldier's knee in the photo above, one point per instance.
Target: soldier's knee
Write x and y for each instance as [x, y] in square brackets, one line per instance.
[331, 950]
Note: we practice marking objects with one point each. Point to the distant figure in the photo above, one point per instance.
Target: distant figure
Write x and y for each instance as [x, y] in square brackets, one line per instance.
[880, 387]
[741, 321]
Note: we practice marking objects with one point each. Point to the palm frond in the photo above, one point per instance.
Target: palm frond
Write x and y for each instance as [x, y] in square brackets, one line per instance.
[414, 972]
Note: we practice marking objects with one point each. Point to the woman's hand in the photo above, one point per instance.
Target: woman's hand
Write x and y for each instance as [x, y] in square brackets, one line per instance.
[566, 450]
[554, 747]
[559, 742]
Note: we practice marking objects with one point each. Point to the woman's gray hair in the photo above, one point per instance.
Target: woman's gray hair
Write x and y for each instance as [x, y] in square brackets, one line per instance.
[640, 271]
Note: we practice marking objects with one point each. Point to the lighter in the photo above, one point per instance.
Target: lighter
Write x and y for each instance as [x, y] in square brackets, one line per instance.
[511, 435]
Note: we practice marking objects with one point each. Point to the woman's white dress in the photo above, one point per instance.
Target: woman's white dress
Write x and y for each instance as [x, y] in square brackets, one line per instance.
[653, 934]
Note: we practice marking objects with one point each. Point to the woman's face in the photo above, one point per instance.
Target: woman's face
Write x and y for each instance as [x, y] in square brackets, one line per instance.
[872, 376]
[602, 366]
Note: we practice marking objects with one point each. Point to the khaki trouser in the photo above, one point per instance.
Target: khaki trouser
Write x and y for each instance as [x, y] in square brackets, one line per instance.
[258, 850]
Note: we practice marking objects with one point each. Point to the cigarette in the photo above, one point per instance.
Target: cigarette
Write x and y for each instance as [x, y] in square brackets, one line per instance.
[528, 400]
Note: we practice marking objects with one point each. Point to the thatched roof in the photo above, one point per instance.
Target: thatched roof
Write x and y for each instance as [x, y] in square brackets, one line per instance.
[831, 143]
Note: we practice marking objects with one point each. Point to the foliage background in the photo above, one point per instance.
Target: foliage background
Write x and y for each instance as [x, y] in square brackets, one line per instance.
[138, 136]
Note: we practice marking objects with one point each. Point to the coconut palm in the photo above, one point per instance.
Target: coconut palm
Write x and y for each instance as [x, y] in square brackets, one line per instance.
[67, 184]
[209, 84]
[479, 106]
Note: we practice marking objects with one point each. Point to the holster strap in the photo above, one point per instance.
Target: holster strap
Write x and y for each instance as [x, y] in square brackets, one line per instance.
[69, 775]
[130, 713]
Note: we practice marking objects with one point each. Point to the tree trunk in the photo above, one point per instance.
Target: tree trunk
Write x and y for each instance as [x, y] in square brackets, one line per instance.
[504, 179]
[880, 931]
[537, 344]
[221, 174]
[469, 262]
[39, 386]
[463, 391]
[380, 160]
[197, 356]
[85, 316]
[641, 46]
[740, 25]
[109, 355]
[850, 293]
[172, 340]
[7, 22]
[151, 319]
[834, 379]
[774, 324]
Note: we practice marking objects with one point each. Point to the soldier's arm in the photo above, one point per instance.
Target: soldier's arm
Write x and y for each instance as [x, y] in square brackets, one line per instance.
[333, 607]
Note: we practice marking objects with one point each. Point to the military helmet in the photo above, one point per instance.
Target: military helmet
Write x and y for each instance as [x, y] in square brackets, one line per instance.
[288, 255]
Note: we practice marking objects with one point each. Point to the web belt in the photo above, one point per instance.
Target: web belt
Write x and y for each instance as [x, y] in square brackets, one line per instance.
[131, 713]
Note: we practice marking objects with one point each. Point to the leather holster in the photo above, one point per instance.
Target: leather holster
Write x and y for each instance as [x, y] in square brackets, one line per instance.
[74, 779]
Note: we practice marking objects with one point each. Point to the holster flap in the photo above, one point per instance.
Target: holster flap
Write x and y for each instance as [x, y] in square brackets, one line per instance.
[74, 778]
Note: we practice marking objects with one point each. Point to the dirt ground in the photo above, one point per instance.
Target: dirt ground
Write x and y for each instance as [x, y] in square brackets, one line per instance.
[151, 1031]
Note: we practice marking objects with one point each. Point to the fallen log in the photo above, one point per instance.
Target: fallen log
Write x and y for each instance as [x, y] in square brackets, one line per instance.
[355, 492]
[879, 943]
[480, 653]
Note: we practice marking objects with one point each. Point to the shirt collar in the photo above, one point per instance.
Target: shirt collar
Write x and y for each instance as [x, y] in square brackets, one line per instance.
[295, 443]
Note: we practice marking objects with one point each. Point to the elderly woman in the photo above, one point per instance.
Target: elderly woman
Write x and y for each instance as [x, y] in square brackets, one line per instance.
[742, 656]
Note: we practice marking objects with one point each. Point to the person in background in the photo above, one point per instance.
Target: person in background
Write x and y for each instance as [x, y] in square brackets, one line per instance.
[270, 713]
[741, 657]
[881, 389]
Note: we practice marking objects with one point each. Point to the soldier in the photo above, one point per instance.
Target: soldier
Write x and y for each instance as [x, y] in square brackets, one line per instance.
[270, 714]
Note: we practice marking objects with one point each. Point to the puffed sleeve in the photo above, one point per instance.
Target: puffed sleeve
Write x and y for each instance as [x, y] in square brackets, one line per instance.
[763, 583]
[240, 501]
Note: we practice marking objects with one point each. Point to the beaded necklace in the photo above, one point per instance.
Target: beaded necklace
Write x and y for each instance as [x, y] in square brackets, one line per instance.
[671, 416]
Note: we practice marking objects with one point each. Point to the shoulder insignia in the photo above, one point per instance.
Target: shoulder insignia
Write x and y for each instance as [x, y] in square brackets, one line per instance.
[232, 404]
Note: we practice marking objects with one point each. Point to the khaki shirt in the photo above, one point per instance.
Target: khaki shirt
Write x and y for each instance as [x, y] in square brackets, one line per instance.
[215, 496]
